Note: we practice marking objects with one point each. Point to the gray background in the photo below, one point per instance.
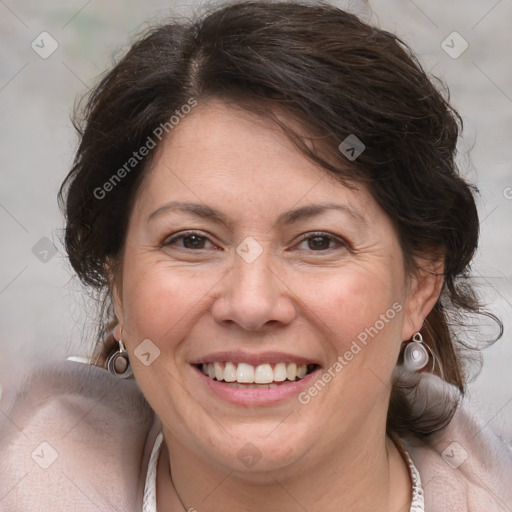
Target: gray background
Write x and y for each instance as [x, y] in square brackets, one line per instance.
[44, 313]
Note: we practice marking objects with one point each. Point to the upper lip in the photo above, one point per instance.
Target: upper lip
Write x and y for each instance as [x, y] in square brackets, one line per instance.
[255, 359]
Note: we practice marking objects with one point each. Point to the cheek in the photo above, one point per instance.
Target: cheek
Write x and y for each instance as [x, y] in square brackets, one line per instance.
[358, 310]
[160, 301]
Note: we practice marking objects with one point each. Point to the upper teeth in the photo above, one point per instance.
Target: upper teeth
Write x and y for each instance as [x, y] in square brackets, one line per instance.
[247, 373]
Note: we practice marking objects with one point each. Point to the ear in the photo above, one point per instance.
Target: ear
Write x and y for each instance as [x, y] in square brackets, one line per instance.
[425, 286]
[115, 286]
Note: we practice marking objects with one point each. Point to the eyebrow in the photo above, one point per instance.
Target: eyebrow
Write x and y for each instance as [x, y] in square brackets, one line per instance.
[289, 217]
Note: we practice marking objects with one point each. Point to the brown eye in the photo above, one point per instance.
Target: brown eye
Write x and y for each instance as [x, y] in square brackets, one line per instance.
[193, 242]
[188, 241]
[320, 242]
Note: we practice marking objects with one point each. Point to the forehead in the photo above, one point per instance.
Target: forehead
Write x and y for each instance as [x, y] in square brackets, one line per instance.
[228, 156]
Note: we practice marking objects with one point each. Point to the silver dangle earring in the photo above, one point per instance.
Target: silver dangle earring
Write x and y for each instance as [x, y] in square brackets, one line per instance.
[118, 363]
[416, 356]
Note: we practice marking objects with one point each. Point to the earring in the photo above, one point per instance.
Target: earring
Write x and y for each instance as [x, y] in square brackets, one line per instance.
[415, 354]
[118, 363]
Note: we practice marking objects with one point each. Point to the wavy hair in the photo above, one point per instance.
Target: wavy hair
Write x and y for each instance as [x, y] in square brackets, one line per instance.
[335, 76]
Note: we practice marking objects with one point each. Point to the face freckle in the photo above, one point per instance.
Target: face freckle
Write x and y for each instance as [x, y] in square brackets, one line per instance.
[216, 262]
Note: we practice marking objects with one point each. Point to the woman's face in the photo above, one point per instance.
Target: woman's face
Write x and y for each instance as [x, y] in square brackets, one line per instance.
[246, 260]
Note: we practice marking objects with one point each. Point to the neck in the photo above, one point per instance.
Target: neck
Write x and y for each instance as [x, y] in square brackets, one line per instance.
[360, 476]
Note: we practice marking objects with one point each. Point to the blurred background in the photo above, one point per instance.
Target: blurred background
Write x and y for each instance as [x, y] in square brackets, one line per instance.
[52, 52]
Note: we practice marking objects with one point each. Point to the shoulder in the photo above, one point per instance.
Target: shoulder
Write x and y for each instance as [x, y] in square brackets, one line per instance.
[72, 437]
[465, 466]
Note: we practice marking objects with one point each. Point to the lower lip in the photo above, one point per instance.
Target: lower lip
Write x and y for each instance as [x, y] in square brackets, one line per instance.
[254, 396]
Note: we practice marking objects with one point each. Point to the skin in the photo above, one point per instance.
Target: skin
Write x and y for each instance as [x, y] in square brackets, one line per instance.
[331, 454]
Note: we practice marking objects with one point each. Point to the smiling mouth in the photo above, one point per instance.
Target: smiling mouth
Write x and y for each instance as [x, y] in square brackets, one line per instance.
[263, 376]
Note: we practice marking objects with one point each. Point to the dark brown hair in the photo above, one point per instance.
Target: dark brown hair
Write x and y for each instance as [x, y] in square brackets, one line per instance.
[333, 74]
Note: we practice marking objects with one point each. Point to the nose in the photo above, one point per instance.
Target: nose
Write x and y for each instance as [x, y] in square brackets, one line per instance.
[254, 296]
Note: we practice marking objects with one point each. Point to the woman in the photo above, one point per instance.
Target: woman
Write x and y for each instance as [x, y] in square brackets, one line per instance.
[268, 200]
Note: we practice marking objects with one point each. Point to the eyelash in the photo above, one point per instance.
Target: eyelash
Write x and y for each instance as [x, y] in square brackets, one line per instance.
[302, 238]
